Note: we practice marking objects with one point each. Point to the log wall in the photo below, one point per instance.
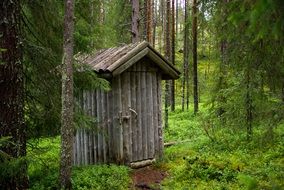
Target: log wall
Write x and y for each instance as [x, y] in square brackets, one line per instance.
[128, 125]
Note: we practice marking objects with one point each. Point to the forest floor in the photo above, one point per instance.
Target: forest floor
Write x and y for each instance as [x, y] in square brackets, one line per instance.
[147, 178]
[219, 159]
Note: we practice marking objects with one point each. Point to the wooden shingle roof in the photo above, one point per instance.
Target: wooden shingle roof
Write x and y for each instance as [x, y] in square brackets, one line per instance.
[117, 59]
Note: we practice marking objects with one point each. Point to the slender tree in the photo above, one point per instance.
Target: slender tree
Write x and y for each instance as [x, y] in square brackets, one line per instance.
[12, 94]
[224, 57]
[168, 56]
[185, 80]
[135, 21]
[149, 21]
[155, 21]
[176, 20]
[67, 98]
[173, 55]
[194, 54]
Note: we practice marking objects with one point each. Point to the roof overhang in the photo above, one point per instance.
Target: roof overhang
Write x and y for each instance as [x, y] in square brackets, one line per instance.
[114, 61]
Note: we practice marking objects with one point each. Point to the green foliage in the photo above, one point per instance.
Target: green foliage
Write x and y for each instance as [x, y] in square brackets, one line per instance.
[221, 158]
[101, 177]
[43, 158]
[43, 35]
[9, 166]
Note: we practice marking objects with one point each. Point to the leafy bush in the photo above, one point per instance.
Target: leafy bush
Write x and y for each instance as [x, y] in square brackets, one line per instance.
[101, 177]
[43, 170]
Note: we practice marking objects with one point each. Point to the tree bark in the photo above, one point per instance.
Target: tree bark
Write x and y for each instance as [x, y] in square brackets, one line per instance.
[135, 21]
[155, 18]
[12, 93]
[168, 56]
[194, 53]
[185, 81]
[67, 133]
[173, 56]
[249, 105]
[149, 21]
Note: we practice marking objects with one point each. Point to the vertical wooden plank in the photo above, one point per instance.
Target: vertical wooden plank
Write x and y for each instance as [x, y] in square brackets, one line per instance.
[139, 141]
[133, 114]
[91, 153]
[117, 113]
[86, 130]
[149, 104]
[77, 148]
[110, 127]
[83, 131]
[99, 122]
[115, 117]
[125, 82]
[129, 114]
[160, 124]
[104, 125]
[144, 112]
[107, 126]
[120, 129]
[155, 114]
[81, 148]
[95, 143]
[77, 142]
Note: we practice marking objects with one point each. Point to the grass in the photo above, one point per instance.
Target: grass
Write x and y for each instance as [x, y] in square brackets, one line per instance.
[223, 161]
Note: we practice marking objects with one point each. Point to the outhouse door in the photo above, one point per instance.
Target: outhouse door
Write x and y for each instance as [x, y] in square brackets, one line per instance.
[139, 115]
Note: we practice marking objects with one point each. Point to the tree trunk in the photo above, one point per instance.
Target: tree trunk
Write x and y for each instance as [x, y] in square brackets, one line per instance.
[185, 58]
[155, 13]
[135, 21]
[194, 53]
[176, 21]
[248, 106]
[67, 133]
[173, 56]
[12, 94]
[149, 21]
[223, 63]
[168, 56]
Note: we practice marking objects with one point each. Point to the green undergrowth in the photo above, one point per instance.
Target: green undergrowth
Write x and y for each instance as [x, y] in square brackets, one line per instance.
[222, 159]
[43, 157]
[202, 158]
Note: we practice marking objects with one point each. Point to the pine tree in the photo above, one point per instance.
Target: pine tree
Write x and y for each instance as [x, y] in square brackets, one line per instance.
[173, 44]
[168, 56]
[194, 54]
[12, 124]
[135, 21]
[185, 80]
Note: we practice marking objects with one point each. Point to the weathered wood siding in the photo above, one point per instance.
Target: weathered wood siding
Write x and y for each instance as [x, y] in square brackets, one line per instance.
[128, 125]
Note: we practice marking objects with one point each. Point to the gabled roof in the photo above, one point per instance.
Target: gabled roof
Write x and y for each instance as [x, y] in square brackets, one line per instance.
[116, 60]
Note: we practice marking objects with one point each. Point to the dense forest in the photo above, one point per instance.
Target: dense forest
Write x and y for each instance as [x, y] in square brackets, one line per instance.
[223, 119]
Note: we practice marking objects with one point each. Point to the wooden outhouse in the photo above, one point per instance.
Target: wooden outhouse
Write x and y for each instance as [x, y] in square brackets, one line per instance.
[128, 124]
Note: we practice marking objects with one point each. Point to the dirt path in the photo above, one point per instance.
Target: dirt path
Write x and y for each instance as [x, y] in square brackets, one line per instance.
[147, 178]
